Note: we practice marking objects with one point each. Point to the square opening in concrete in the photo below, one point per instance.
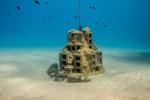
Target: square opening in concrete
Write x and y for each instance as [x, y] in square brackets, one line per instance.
[63, 56]
[77, 58]
[77, 64]
[64, 62]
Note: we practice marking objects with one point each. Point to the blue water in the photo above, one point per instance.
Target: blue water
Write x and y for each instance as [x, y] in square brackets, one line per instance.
[31, 36]
[46, 25]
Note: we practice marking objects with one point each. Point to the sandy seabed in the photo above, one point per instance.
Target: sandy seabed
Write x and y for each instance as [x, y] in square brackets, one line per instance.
[23, 77]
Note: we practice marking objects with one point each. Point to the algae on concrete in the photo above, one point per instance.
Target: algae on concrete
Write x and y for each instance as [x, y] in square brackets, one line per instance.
[80, 58]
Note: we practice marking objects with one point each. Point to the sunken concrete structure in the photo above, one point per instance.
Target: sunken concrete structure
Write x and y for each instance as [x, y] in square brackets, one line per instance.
[80, 58]
[80, 55]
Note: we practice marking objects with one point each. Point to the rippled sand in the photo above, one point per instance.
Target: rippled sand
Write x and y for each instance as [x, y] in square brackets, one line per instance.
[23, 77]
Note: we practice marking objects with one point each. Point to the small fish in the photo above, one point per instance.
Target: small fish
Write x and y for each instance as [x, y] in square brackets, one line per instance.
[105, 25]
[46, 2]
[18, 8]
[90, 7]
[75, 17]
[36, 1]
[8, 13]
[94, 7]
[96, 23]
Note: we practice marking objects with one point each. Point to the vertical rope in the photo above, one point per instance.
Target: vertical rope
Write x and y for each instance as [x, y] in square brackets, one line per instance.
[79, 16]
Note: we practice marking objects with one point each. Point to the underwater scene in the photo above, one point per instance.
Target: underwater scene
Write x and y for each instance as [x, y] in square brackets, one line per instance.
[34, 34]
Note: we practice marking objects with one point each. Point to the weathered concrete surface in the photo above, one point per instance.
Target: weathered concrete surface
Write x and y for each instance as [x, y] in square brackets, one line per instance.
[80, 55]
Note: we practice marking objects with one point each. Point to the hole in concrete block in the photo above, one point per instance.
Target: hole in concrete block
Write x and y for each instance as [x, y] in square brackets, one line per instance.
[63, 56]
[69, 49]
[97, 68]
[90, 46]
[93, 56]
[73, 48]
[90, 35]
[78, 71]
[64, 62]
[77, 58]
[77, 64]
[78, 47]
[93, 62]
[100, 60]
[90, 41]
[72, 35]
